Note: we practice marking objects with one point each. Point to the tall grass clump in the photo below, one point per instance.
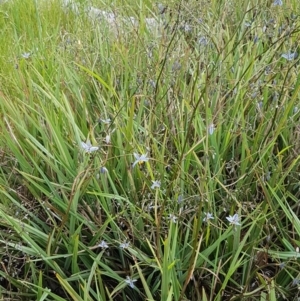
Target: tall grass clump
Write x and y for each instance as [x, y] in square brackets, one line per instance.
[150, 152]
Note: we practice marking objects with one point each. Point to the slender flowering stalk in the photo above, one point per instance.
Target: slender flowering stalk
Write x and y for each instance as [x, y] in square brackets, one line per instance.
[139, 159]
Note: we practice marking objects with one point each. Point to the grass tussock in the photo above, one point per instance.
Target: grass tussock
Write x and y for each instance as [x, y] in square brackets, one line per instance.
[150, 163]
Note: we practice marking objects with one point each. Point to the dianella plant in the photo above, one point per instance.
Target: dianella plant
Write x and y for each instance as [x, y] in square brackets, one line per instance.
[149, 151]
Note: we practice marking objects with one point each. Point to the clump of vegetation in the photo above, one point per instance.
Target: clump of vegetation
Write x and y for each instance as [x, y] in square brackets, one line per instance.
[146, 163]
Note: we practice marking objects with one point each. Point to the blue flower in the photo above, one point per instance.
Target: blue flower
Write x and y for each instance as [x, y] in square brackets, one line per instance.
[180, 199]
[290, 55]
[234, 220]
[203, 41]
[103, 245]
[173, 218]
[211, 129]
[155, 184]
[103, 169]
[107, 139]
[87, 147]
[124, 245]
[207, 217]
[139, 159]
[130, 281]
[105, 121]
[277, 2]
[26, 55]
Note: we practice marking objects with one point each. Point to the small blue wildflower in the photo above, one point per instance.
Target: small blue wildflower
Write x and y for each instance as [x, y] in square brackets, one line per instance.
[267, 176]
[147, 103]
[254, 94]
[290, 55]
[155, 184]
[180, 199]
[103, 245]
[277, 3]
[260, 105]
[152, 83]
[233, 220]
[203, 41]
[87, 147]
[105, 121]
[103, 169]
[268, 70]
[161, 8]
[207, 217]
[26, 55]
[187, 28]
[211, 129]
[107, 139]
[173, 218]
[130, 281]
[140, 159]
[176, 66]
[124, 245]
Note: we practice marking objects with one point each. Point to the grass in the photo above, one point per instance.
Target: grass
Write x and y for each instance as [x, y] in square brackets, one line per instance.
[209, 101]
